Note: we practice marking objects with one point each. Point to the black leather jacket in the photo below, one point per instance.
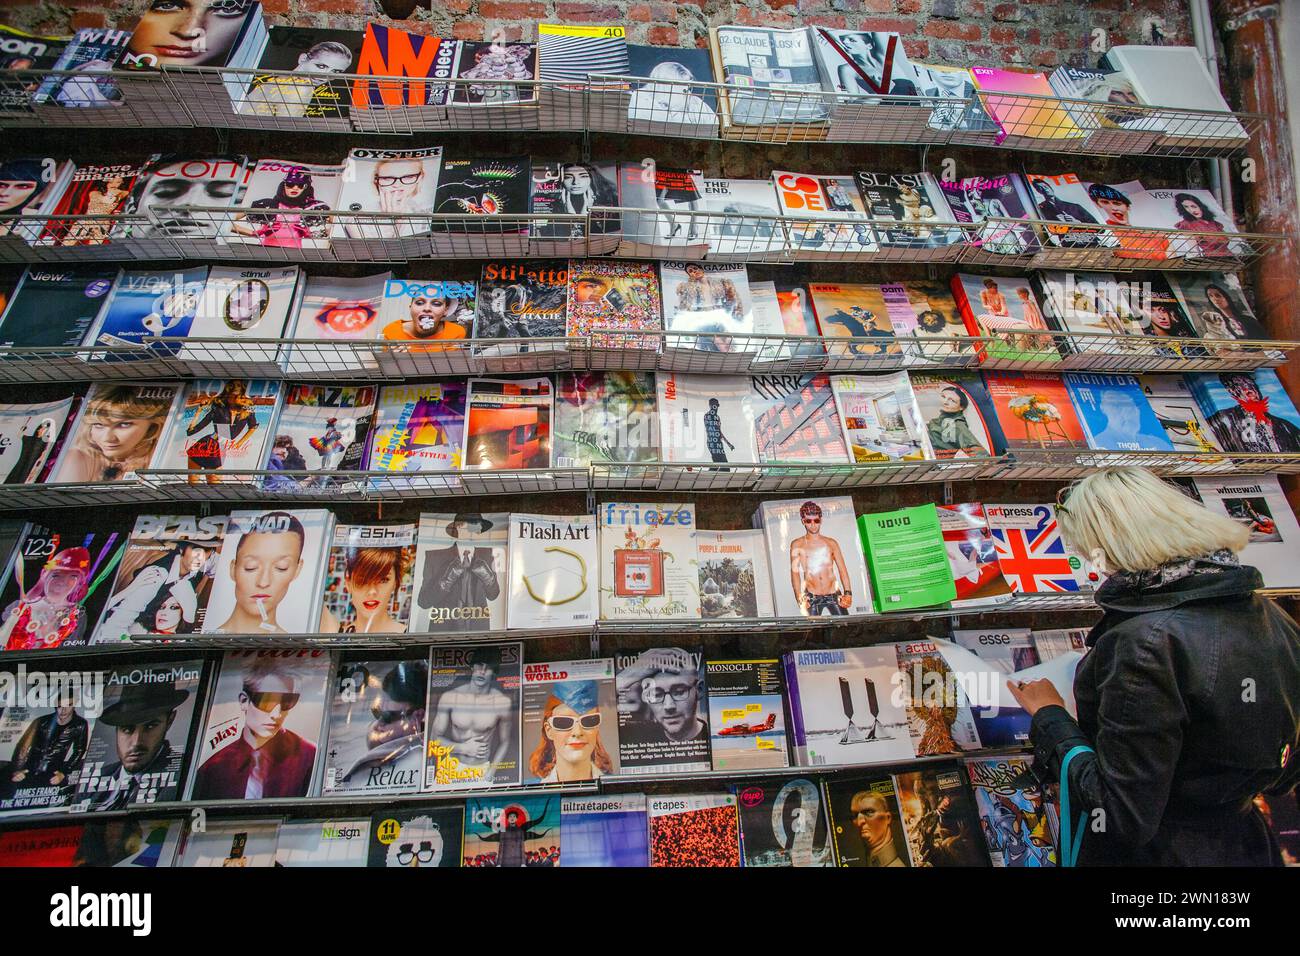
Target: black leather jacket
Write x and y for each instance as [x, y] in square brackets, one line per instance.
[1191, 698]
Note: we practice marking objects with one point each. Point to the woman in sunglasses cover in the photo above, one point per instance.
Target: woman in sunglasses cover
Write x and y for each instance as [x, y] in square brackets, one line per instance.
[570, 747]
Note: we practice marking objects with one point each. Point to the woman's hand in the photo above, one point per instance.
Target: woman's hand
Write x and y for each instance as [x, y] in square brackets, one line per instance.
[1035, 694]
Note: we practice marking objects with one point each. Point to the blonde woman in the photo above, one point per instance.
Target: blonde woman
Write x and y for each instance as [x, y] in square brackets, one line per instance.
[1190, 696]
[117, 432]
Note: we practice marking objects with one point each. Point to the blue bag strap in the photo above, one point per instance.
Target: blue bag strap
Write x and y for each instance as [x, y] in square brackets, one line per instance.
[1070, 847]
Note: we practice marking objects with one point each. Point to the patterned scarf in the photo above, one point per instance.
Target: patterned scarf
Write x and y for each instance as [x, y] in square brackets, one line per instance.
[1155, 578]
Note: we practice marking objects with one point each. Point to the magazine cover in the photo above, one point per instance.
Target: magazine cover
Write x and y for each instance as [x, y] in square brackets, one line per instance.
[118, 841]
[1031, 553]
[221, 425]
[706, 418]
[1023, 105]
[461, 571]
[939, 818]
[321, 429]
[673, 97]
[1184, 209]
[1259, 504]
[375, 738]
[405, 835]
[694, 830]
[240, 304]
[648, 561]
[747, 714]
[314, 58]
[55, 307]
[926, 309]
[164, 580]
[368, 579]
[141, 741]
[734, 578]
[508, 424]
[1217, 306]
[1064, 200]
[495, 60]
[570, 53]
[28, 434]
[553, 571]
[709, 299]
[146, 304]
[753, 61]
[396, 182]
[169, 181]
[824, 564]
[1000, 204]
[604, 417]
[911, 200]
[613, 295]
[1035, 410]
[844, 707]
[1004, 310]
[513, 831]
[939, 717]
[959, 417]
[522, 300]
[88, 51]
[573, 189]
[609, 830]
[418, 428]
[271, 704]
[743, 216]
[337, 309]
[972, 555]
[1097, 304]
[38, 183]
[1115, 413]
[1054, 642]
[855, 310]
[485, 187]
[222, 38]
[284, 202]
[115, 432]
[663, 711]
[964, 112]
[880, 418]
[783, 823]
[1178, 413]
[223, 843]
[57, 586]
[390, 52]
[1008, 649]
[324, 843]
[795, 419]
[1163, 316]
[412, 310]
[100, 192]
[862, 62]
[834, 202]
[865, 822]
[1249, 412]
[570, 721]
[43, 741]
[1020, 824]
[269, 573]
[473, 718]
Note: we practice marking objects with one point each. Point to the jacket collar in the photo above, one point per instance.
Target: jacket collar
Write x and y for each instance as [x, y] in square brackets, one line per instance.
[1120, 602]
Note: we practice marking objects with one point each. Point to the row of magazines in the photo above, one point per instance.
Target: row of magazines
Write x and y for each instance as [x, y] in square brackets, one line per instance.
[233, 314]
[309, 437]
[639, 207]
[313, 724]
[798, 78]
[68, 583]
[972, 813]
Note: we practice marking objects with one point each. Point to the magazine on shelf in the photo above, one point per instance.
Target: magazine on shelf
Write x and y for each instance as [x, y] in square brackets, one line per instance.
[282, 206]
[169, 181]
[939, 817]
[859, 311]
[836, 205]
[734, 578]
[245, 307]
[247, 717]
[1179, 414]
[1009, 649]
[1249, 413]
[42, 755]
[142, 739]
[303, 64]
[321, 429]
[782, 822]
[473, 717]
[479, 64]
[673, 99]
[1115, 414]
[1035, 411]
[375, 737]
[865, 822]
[906, 558]
[939, 716]
[418, 428]
[995, 203]
[1004, 310]
[554, 565]
[694, 830]
[710, 300]
[958, 414]
[1216, 305]
[165, 578]
[648, 561]
[609, 830]
[741, 216]
[434, 312]
[861, 62]
[1258, 503]
[1175, 78]
[20, 50]
[1020, 823]
[1184, 209]
[964, 113]
[508, 424]
[91, 842]
[1032, 555]
[236, 42]
[269, 573]
[972, 555]
[406, 58]
[1024, 106]
[570, 721]
[706, 418]
[911, 200]
[512, 831]
[568, 53]
[1065, 200]
[49, 178]
[144, 305]
[462, 572]
[1097, 305]
[611, 299]
[486, 188]
[231, 843]
[771, 80]
[323, 843]
[28, 437]
[673, 229]
[55, 307]
[1098, 100]
[747, 714]
[574, 189]
[94, 451]
[399, 184]
[342, 310]
[604, 417]
[815, 557]
[99, 192]
[368, 578]
[795, 419]
[408, 834]
[880, 417]
[221, 425]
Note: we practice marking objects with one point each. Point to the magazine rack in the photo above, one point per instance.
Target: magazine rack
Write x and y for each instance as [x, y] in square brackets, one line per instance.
[220, 97]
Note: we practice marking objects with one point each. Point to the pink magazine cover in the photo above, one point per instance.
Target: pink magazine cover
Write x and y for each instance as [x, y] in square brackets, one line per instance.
[1019, 115]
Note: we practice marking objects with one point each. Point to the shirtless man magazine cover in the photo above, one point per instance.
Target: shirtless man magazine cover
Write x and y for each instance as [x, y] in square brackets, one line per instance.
[473, 717]
[817, 563]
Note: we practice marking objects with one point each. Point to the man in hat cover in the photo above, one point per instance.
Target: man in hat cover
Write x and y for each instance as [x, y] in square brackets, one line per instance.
[460, 581]
[146, 764]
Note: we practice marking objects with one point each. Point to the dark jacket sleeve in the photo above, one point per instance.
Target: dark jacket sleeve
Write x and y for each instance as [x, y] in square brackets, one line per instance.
[1140, 720]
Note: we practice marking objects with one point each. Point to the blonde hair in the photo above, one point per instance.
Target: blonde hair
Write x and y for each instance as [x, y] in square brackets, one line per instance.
[1129, 520]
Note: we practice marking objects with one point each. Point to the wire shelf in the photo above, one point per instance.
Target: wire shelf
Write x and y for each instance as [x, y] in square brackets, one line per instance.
[1055, 464]
[222, 97]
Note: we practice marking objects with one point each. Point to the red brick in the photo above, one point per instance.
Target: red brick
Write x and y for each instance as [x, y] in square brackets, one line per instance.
[746, 17]
[1047, 58]
[334, 6]
[662, 35]
[908, 6]
[1006, 11]
[778, 4]
[86, 20]
[1002, 34]
[275, 8]
[916, 49]
[1063, 41]
[976, 8]
[1011, 54]
[495, 10]
[464, 30]
[1033, 36]
[888, 25]
[834, 21]
[878, 6]
[579, 13]
[947, 30]
[456, 6]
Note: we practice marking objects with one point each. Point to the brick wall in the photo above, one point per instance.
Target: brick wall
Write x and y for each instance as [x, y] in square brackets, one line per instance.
[1032, 33]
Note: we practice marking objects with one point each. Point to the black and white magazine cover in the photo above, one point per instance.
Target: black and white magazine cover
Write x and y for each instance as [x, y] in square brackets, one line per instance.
[169, 183]
[488, 66]
[663, 710]
[742, 216]
[672, 96]
[860, 62]
[758, 65]
[573, 189]
[375, 741]
[522, 299]
[398, 184]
